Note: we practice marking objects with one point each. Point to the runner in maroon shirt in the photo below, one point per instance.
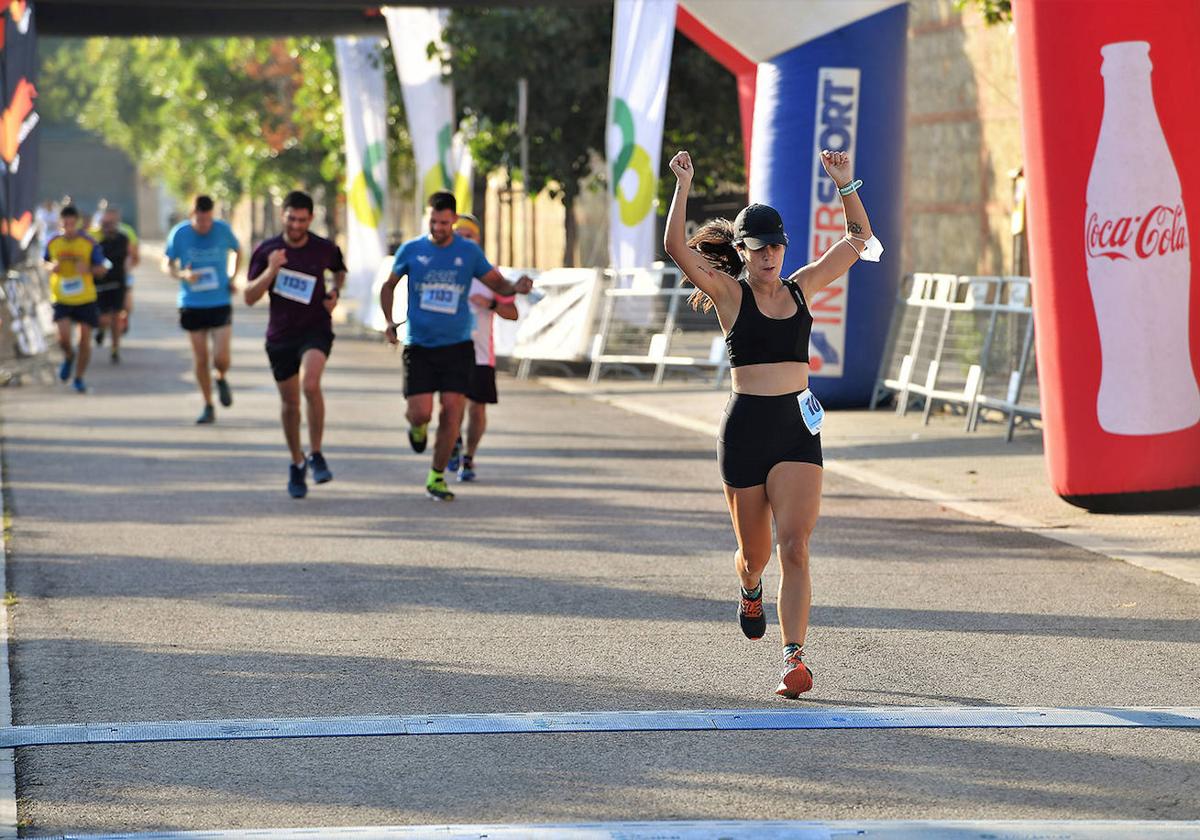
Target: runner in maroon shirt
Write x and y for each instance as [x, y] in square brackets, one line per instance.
[292, 267]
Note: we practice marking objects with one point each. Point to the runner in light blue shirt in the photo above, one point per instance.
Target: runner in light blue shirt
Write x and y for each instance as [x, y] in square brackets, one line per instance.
[439, 356]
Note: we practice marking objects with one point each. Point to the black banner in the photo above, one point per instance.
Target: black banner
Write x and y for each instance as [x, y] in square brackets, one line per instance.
[18, 131]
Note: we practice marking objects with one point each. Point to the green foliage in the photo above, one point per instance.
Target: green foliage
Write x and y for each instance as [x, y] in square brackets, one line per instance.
[489, 49]
[994, 11]
[228, 116]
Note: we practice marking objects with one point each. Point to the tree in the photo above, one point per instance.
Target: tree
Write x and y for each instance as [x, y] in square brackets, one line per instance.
[558, 51]
[230, 117]
[488, 50]
[994, 11]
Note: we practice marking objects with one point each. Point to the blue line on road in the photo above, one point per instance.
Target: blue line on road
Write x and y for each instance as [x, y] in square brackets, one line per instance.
[867, 829]
[882, 717]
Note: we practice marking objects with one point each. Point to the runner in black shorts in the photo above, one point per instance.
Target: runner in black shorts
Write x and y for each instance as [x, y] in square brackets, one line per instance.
[110, 291]
[769, 448]
[292, 267]
[439, 356]
[197, 255]
[482, 392]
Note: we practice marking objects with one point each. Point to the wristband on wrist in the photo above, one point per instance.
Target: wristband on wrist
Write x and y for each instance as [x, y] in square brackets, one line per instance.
[851, 187]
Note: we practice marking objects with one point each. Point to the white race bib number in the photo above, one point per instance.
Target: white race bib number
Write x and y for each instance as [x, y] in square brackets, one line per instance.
[70, 286]
[440, 297]
[295, 285]
[206, 280]
[811, 410]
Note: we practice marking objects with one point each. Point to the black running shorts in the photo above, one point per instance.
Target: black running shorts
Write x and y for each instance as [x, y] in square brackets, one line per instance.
[286, 355]
[759, 432]
[430, 370]
[483, 385]
[82, 313]
[209, 318]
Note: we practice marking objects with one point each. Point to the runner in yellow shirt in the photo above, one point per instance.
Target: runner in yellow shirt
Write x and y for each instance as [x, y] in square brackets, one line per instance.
[74, 260]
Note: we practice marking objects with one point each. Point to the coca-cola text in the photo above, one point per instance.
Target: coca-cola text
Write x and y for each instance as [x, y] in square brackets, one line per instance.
[1163, 230]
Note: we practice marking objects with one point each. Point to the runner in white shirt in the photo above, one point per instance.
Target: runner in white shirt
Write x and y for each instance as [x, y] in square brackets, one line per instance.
[484, 304]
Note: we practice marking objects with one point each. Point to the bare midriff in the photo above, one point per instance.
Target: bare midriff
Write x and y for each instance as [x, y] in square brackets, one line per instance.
[771, 379]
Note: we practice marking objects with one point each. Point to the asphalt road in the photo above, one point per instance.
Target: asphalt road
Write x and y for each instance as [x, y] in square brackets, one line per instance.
[161, 572]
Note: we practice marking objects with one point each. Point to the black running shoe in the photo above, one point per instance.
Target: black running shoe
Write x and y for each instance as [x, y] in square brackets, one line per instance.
[99, 337]
[320, 470]
[297, 486]
[208, 415]
[223, 393]
[418, 437]
[750, 616]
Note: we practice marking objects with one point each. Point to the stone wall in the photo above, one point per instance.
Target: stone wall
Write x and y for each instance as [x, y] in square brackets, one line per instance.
[964, 141]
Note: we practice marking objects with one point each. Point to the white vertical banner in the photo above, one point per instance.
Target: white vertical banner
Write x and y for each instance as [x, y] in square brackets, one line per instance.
[643, 34]
[443, 162]
[364, 123]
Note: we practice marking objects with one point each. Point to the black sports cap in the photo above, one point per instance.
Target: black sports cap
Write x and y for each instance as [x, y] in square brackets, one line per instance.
[757, 226]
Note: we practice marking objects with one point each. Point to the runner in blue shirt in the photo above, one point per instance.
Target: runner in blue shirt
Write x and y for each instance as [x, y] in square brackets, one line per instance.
[439, 355]
[197, 255]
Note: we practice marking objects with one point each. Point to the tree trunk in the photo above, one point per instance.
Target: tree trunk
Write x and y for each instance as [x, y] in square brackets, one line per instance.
[570, 230]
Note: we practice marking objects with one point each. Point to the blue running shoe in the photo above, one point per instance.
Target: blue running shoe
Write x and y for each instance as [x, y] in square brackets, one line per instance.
[64, 370]
[467, 471]
[320, 470]
[78, 385]
[455, 456]
[297, 486]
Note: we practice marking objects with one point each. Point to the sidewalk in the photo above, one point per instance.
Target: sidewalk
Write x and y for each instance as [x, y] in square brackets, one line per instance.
[978, 473]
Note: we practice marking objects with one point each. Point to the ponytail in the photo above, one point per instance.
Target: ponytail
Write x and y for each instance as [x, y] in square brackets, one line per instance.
[714, 242]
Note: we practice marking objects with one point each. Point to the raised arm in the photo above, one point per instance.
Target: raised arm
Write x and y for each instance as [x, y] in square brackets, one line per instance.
[844, 253]
[496, 281]
[715, 283]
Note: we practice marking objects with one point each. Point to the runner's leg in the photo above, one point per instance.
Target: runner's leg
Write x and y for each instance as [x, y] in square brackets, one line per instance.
[419, 409]
[199, 339]
[750, 512]
[311, 368]
[449, 422]
[795, 493]
[85, 350]
[222, 338]
[476, 426]
[289, 396]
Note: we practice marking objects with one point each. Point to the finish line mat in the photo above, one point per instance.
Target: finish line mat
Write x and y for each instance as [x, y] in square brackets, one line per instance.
[883, 717]
[866, 829]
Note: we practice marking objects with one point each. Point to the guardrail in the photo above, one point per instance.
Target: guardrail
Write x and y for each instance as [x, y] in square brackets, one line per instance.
[973, 338]
[26, 325]
[645, 320]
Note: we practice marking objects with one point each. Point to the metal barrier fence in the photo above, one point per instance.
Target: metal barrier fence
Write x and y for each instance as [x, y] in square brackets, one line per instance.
[26, 325]
[645, 320]
[972, 338]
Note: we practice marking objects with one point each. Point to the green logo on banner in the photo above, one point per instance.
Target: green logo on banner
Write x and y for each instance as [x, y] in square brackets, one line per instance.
[437, 178]
[366, 196]
[631, 156]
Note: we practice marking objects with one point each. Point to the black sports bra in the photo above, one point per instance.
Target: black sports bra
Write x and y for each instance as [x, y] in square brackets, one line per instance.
[755, 339]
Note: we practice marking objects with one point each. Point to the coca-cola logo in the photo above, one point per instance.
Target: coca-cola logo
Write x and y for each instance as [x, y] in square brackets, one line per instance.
[1162, 230]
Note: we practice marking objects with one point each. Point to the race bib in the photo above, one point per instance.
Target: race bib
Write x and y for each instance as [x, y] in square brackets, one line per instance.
[811, 410]
[70, 286]
[295, 285]
[440, 297]
[206, 280]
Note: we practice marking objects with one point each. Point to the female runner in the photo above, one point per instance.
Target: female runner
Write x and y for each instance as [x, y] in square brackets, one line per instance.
[769, 447]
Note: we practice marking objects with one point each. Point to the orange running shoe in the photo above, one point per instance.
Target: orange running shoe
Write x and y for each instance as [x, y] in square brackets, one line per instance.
[750, 615]
[796, 678]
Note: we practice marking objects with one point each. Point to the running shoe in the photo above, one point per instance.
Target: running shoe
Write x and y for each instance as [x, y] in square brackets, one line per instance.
[796, 677]
[224, 394]
[64, 370]
[437, 489]
[208, 415]
[418, 437]
[115, 358]
[99, 337]
[750, 615]
[455, 456]
[79, 386]
[297, 486]
[320, 470]
[467, 471]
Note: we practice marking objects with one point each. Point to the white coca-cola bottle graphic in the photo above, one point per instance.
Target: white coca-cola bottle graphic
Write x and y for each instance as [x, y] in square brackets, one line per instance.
[1138, 262]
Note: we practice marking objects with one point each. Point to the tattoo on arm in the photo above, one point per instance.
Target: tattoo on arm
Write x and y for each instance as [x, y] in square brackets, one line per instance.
[853, 226]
